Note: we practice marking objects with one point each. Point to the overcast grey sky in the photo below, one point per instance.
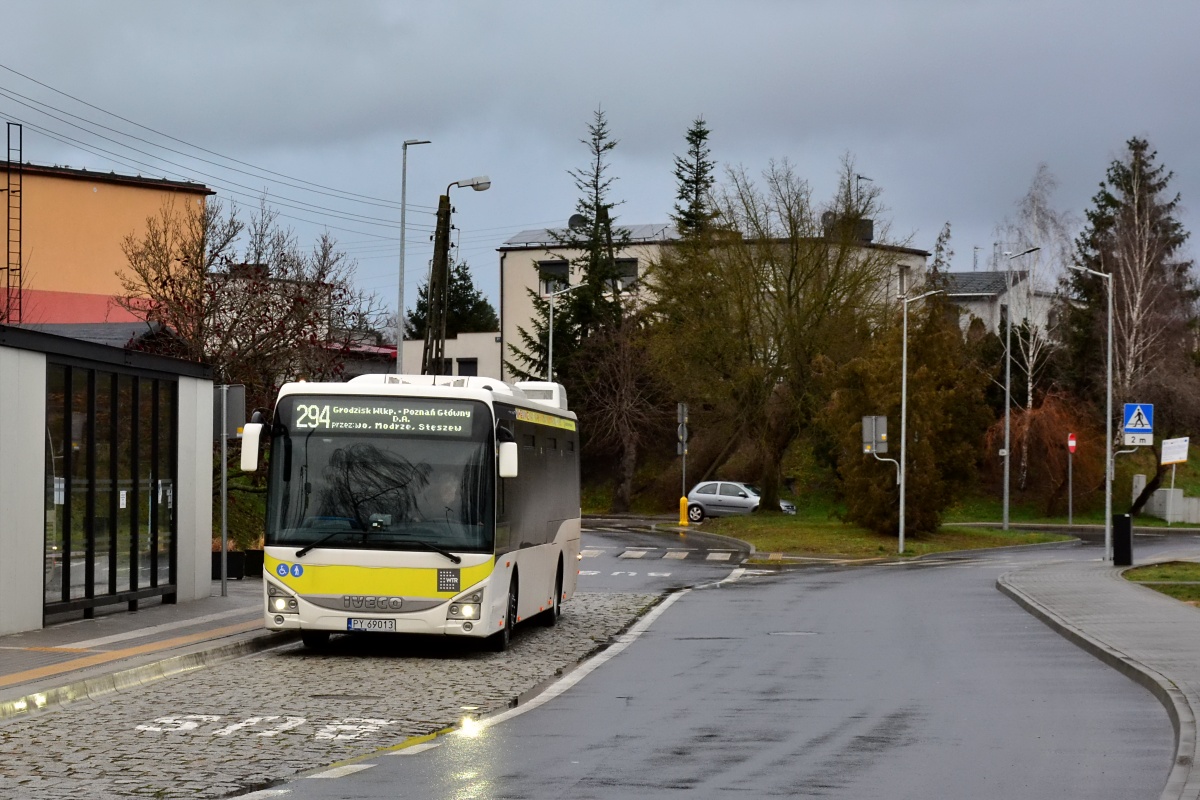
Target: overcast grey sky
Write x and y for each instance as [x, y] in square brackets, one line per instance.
[947, 105]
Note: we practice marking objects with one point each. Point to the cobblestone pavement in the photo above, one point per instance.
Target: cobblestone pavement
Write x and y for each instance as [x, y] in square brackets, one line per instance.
[245, 724]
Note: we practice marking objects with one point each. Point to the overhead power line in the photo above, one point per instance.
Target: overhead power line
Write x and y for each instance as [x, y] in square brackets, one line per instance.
[349, 195]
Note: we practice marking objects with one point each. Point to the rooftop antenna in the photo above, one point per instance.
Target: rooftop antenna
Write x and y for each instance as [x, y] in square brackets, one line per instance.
[975, 259]
[858, 179]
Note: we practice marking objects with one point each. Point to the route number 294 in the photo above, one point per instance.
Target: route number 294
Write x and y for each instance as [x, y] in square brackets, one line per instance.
[312, 416]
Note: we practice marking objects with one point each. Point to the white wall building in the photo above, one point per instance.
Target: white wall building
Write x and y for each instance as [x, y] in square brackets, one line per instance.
[987, 296]
[533, 260]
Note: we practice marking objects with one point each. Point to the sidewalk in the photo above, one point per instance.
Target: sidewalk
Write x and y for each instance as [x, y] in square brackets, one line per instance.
[1151, 638]
[88, 658]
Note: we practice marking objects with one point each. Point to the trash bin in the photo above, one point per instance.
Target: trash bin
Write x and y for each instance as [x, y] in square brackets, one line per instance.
[1122, 533]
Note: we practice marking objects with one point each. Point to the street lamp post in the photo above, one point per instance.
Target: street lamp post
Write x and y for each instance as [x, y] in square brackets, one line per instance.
[550, 335]
[904, 405]
[403, 196]
[1008, 373]
[1108, 416]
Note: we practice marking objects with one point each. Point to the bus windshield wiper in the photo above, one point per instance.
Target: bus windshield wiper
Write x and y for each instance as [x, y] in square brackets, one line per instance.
[436, 549]
[300, 553]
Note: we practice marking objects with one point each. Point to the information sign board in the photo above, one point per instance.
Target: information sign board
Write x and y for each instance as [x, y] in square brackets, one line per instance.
[1175, 451]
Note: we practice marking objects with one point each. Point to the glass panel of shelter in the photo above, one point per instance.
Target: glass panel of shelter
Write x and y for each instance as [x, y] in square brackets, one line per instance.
[110, 479]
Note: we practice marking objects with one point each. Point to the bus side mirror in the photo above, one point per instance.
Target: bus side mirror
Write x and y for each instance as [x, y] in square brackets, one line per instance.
[508, 459]
[251, 433]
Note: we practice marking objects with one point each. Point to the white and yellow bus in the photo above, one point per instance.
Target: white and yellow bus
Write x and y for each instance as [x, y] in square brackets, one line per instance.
[418, 504]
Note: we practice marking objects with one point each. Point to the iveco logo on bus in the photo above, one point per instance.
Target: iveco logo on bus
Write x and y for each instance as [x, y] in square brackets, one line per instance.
[358, 601]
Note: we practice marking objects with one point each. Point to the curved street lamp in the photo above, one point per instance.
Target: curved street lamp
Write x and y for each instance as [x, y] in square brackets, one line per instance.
[1008, 372]
[432, 359]
[1108, 416]
[550, 335]
[904, 404]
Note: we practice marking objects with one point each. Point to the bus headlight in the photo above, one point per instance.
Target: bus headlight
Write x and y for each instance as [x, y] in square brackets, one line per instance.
[463, 611]
[280, 602]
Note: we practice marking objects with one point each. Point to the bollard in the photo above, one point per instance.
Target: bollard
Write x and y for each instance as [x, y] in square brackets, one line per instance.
[1122, 533]
[683, 512]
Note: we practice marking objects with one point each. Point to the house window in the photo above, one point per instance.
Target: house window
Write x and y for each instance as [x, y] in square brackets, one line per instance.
[553, 276]
[468, 367]
[627, 272]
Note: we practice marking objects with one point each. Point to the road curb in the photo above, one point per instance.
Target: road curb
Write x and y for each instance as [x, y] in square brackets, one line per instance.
[102, 685]
[1179, 710]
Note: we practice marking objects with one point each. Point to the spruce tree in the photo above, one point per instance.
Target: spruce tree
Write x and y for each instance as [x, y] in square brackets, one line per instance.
[468, 311]
[694, 177]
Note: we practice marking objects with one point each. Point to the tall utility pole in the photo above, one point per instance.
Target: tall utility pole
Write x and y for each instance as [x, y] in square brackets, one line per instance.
[434, 353]
[433, 358]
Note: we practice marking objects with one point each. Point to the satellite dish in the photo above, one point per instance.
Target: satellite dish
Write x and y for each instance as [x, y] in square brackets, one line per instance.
[577, 222]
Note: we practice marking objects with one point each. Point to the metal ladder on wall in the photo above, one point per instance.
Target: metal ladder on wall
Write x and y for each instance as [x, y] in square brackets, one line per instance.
[10, 310]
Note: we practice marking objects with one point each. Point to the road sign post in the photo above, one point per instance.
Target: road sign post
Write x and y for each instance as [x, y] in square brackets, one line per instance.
[1174, 452]
[681, 412]
[1139, 424]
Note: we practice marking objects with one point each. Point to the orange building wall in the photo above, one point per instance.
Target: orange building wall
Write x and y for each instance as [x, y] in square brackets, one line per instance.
[72, 227]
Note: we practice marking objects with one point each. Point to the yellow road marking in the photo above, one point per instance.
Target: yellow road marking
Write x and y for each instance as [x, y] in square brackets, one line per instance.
[116, 655]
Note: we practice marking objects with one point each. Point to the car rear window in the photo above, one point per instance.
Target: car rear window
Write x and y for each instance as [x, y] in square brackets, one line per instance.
[708, 488]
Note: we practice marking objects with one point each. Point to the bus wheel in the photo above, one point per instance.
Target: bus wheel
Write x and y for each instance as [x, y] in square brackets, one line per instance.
[315, 640]
[550, 615]
[500, 640]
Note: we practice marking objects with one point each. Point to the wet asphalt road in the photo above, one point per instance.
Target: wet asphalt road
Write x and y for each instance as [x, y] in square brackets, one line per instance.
[910, 681]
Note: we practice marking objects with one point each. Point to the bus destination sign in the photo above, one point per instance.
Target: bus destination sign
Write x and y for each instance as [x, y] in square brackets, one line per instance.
[370, 415]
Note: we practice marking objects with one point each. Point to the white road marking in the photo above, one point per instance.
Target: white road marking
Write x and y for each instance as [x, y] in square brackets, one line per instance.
[87, 644]
[659, 574]
[589, 572]
[343, 771]
[633, 554]
[718, 556]
[352, 728]
[263, 793]
[591, 553]
[676, 554]
[630, 574]
[417, 748]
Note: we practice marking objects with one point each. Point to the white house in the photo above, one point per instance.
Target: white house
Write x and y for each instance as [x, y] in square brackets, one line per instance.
[533, 260]
[988, 296]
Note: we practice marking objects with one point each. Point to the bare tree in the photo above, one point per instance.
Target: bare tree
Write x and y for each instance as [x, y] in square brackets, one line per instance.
[260, 316]
[743, 315]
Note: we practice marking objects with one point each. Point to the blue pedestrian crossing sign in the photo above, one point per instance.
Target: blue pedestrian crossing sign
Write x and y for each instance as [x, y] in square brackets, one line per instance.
[1139, 424]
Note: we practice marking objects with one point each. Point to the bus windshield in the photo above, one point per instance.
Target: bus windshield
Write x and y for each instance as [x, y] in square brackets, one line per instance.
[381, 474]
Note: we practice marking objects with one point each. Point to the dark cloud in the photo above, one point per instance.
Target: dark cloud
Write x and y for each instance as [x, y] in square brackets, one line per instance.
[948, 106]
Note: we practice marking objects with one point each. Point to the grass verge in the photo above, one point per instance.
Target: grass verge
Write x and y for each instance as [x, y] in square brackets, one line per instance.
[1178, 579]
[801, 536]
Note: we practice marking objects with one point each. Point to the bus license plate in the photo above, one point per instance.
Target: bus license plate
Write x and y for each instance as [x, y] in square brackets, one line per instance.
[359, 624]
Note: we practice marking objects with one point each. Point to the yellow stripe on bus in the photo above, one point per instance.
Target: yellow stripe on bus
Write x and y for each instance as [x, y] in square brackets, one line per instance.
[538, 417]
[318, 579]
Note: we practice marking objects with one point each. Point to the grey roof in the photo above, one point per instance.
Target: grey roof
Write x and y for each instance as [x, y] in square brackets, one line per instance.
[544, 237]
[989, 284]
[113, 334]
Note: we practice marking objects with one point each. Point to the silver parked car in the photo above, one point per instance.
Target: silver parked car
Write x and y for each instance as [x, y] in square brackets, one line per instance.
[725, 498]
